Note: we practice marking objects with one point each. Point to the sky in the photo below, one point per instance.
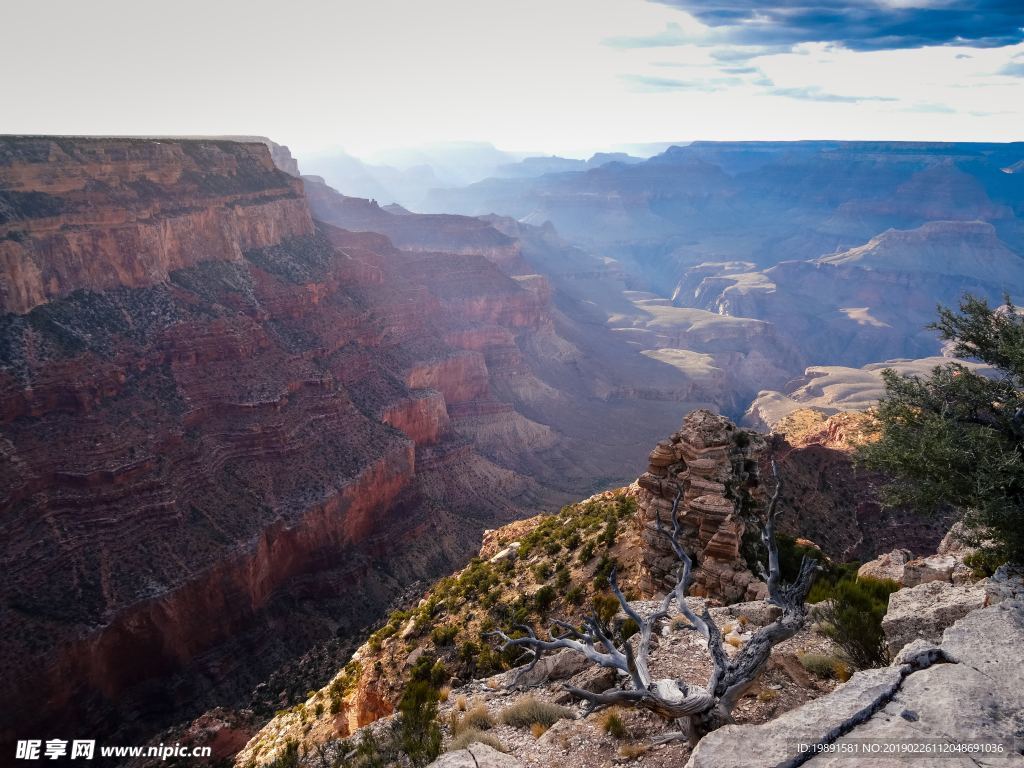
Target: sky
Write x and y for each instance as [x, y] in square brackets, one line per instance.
[566, 77]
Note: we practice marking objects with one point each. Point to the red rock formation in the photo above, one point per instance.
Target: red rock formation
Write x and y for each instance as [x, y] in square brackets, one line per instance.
[239, 412]
[707, 463]
[77, 213]
[823, 499]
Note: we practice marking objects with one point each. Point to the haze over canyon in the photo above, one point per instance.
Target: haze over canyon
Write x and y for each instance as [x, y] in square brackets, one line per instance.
[242, 411]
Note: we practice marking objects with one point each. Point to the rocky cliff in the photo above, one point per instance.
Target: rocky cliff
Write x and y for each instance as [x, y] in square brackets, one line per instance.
[217, 416]
[720, 473]
[556, 566]
[98, 214]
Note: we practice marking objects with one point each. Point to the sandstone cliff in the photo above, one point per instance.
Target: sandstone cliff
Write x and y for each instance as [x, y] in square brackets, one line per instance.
[103, 213]
[214, 413]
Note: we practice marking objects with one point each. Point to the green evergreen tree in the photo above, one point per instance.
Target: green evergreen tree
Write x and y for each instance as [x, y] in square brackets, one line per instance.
[956, 437]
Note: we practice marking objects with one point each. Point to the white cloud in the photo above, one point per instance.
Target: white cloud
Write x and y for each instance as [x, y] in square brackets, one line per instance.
[530, 75]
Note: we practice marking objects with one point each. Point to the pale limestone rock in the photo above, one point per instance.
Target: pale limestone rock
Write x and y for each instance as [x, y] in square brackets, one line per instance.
[557, 666]
[926, 610]
[508, 553]
[965, 688]
[925, 569]
[775, 742]
[888, 566]
[758, 612]
[978, 699]
[476, 756]
[1007, 583]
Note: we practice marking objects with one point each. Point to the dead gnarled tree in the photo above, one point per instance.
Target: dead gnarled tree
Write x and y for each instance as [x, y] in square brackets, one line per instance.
[698, 709]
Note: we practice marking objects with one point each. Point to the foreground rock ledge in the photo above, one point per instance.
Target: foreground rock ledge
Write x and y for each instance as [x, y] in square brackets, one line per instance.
[978, 697]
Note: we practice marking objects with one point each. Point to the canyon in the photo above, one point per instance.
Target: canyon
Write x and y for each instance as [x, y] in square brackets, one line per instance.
[242, 413]
[233, 430]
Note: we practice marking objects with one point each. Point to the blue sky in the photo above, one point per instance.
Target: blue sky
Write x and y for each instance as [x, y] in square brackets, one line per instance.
[560, 76]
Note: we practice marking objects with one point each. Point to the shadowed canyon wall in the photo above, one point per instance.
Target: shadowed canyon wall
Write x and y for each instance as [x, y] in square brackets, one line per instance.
[216, 415]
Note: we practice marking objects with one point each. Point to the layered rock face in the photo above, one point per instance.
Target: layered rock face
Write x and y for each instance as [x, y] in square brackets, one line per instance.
[215, 415]
[103, 213]
[722, 477]
[434, 232]
[707, 465]
[872, 302]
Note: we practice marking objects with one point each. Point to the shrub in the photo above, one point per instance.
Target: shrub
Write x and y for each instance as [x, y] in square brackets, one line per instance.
[545, 597]
[587, 553]
[562, 577]
[612, 724]
[629, 628]
[605, 606]
[530, 710]
[473, 736]
[444, 635]
[852, 618]
[983, 563]
[541, 571]
[607, 536]
[477, 718]
[418, 732]
[289, 758]
[575, 594]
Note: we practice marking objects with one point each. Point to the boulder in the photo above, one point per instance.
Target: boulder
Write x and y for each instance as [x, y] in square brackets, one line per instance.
[593, 679]
[775, 742]
[1007, 583]
[557, 666]
[476, 756]
[925, 569]
[965, 688]
[758, 613]
[508, 553]
[926, 610]
[888, 566]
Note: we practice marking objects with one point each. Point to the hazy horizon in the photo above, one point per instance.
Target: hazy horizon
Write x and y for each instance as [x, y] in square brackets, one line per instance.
[569, 79]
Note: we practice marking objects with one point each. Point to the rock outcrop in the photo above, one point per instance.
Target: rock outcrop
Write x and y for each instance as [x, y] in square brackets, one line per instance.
[78, 213]
[213, 410]
[713, 464]
[707, 464]
[965, 688]
[924, 611]
[476, 756]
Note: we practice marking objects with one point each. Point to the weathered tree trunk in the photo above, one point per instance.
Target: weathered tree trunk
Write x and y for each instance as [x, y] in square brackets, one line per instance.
[702, 709]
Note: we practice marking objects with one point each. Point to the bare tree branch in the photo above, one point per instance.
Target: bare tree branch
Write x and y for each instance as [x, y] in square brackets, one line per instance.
[702, 709]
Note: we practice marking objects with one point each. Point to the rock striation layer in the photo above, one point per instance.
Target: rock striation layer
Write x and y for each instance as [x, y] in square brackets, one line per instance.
[103, 213]
[216, 415]
[708, 465]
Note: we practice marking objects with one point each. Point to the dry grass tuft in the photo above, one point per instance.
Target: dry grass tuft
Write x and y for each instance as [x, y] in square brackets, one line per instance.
[632, 750]
[529, 710]
[476, 719]
[611, 722]
[460, 703]
[538, 730]
[473, 736]
[826, 666]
